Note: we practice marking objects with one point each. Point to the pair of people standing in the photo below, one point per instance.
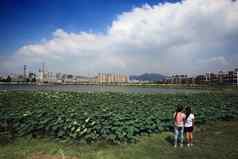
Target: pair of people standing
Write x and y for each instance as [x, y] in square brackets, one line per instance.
[183, 122]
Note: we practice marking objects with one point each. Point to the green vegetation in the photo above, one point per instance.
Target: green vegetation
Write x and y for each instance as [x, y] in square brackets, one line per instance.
[214, 140]
[109, 117]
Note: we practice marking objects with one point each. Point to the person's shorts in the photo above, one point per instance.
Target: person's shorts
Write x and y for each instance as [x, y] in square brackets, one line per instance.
[188, 129]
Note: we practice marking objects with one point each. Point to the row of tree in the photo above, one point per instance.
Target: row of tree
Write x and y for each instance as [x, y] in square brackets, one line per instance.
[9, 79]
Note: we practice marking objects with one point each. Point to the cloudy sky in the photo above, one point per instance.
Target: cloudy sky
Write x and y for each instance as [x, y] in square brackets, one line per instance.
[130, 36]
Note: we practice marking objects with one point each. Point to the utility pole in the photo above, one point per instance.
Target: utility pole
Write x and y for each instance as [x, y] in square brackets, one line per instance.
[25, 72]
[237, 78]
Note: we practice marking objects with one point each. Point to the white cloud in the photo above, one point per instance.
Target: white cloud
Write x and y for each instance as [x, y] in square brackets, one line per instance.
[167, 38]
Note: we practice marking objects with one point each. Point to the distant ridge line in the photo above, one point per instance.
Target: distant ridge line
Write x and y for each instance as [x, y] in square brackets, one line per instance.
[152, 77]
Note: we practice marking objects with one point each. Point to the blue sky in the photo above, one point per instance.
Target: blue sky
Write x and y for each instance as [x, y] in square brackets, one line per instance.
[127, 36]
[27, 21]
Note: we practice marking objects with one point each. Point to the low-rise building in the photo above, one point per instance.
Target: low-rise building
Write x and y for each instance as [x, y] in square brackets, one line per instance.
[111, 78]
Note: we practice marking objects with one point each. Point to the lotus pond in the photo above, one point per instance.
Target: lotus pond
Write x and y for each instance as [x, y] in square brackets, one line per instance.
[110, 117]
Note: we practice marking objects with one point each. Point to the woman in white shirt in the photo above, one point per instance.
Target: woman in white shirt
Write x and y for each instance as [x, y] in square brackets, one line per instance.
[189, 125]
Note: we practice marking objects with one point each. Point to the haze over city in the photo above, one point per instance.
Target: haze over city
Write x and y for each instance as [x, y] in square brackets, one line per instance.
[130, 37]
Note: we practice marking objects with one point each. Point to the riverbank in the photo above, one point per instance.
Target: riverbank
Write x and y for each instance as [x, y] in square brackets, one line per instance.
[113, 125]
[213, 140]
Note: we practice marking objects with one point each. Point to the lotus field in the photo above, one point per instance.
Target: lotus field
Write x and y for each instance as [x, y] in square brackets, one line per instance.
[111, 117]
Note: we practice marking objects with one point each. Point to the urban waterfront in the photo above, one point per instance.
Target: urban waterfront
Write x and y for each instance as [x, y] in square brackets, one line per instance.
[97, 88]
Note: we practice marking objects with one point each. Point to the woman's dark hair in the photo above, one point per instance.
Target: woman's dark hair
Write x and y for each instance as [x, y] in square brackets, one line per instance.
[178, 109]
[188, 111]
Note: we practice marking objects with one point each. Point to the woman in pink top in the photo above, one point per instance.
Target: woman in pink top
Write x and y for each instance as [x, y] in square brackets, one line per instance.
[179, 118]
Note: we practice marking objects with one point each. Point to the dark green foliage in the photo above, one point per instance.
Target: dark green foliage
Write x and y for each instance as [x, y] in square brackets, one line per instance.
[114, 117]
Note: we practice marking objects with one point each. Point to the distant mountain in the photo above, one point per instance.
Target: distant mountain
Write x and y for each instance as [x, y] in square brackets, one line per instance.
[152, 77]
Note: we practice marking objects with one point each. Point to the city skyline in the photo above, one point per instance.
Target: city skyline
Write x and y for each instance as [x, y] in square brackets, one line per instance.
[44, 76]
[131, 37]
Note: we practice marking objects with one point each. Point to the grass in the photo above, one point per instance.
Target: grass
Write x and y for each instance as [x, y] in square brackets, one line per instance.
[218, 140]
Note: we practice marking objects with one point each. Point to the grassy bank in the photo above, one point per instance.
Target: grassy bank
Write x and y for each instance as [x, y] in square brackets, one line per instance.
[213, 140]
[55, 125]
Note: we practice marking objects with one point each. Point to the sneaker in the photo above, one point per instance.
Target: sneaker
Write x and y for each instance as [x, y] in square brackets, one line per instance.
[191, 145]
[175, 145]
[188, 145]
[181, 145]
